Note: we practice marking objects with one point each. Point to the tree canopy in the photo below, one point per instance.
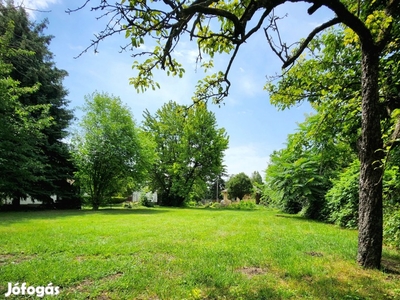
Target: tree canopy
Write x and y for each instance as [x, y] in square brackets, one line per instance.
[224, 26]
[331, 136]
[110, 153]
[190, 149]
[239, 185]
[39, 163]
[18, 164]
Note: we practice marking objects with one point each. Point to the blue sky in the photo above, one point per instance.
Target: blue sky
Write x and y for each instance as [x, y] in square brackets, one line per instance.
[255, 127]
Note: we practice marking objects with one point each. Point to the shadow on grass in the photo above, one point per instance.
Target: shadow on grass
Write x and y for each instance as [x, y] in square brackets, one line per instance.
[219, 209]
[8, 218]
[306, 287]
[297, 217]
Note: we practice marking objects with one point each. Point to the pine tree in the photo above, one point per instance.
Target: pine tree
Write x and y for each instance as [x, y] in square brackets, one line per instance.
[39, 69]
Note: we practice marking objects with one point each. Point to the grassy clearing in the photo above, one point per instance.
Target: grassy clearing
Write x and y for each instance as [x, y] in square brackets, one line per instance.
[162, 253]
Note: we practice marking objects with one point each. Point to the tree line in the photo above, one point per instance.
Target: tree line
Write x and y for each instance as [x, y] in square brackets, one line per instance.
[318, 172]
[34, 116]
[349, 74]
[371, 31]
[178, 151]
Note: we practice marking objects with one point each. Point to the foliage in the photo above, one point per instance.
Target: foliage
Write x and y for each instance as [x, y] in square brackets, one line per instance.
[342, 198]
[256, 178]
[117, 200]
[109, 150]
[372, 32]
[45, 106]
[213, 205]
[239, 205]
[145, 201]
[336, 70]
[299, 175]
[391, 232]
[243, 205]
[301, 184]
[342, 201]
[20, 135]
[391, 192]
[270, 196]
[215, 187]
[334, 91]
[239, 185]
[190, 151]
[258, 186]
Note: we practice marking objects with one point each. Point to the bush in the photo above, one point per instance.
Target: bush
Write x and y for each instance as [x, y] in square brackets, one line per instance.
[127, 204]
[192, 203]
[117, 200]
[145, 201]
[243, 205]
[342, 198]
[391, 226]
[290, 205]
[215, 205]
[391, 193]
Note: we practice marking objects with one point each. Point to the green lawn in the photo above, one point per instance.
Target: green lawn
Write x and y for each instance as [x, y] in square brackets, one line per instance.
[165, 253]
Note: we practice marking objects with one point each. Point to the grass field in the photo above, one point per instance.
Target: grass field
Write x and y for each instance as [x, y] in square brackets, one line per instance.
[165, 253]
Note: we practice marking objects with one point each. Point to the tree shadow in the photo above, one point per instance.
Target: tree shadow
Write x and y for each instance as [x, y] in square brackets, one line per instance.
[390, 265]
[9, 218]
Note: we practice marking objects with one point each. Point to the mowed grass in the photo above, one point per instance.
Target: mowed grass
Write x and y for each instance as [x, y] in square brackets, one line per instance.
[165, 253]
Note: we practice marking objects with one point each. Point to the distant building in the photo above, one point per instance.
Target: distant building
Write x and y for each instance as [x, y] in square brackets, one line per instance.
[150, 195]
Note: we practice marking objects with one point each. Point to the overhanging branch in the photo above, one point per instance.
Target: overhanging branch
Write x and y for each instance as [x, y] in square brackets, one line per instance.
[309, 38]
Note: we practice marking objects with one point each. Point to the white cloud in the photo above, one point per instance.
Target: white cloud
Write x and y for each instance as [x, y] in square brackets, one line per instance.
[190, 55]
[247, 159]
[32, 5]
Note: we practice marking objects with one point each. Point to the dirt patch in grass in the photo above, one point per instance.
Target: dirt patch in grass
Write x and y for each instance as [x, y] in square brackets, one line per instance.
[84, 284]
[164, 257]
[14, 258]
[80, 258]
[252, 271]
[307, 278]
[152, 297]
[104, 296]
[315, 254]
[5, 258]
[113, 276]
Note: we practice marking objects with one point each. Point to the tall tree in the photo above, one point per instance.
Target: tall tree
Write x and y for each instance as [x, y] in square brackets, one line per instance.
[20, 135]
[373, 24]
[190, 150]
[109, 151]
[40, 68]
[302, 171]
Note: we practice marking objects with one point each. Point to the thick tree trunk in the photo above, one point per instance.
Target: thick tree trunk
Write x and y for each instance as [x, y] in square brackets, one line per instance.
[370, 223]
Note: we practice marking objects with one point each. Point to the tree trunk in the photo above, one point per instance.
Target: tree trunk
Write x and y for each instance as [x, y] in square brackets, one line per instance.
[16, 202]
[370, 223]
